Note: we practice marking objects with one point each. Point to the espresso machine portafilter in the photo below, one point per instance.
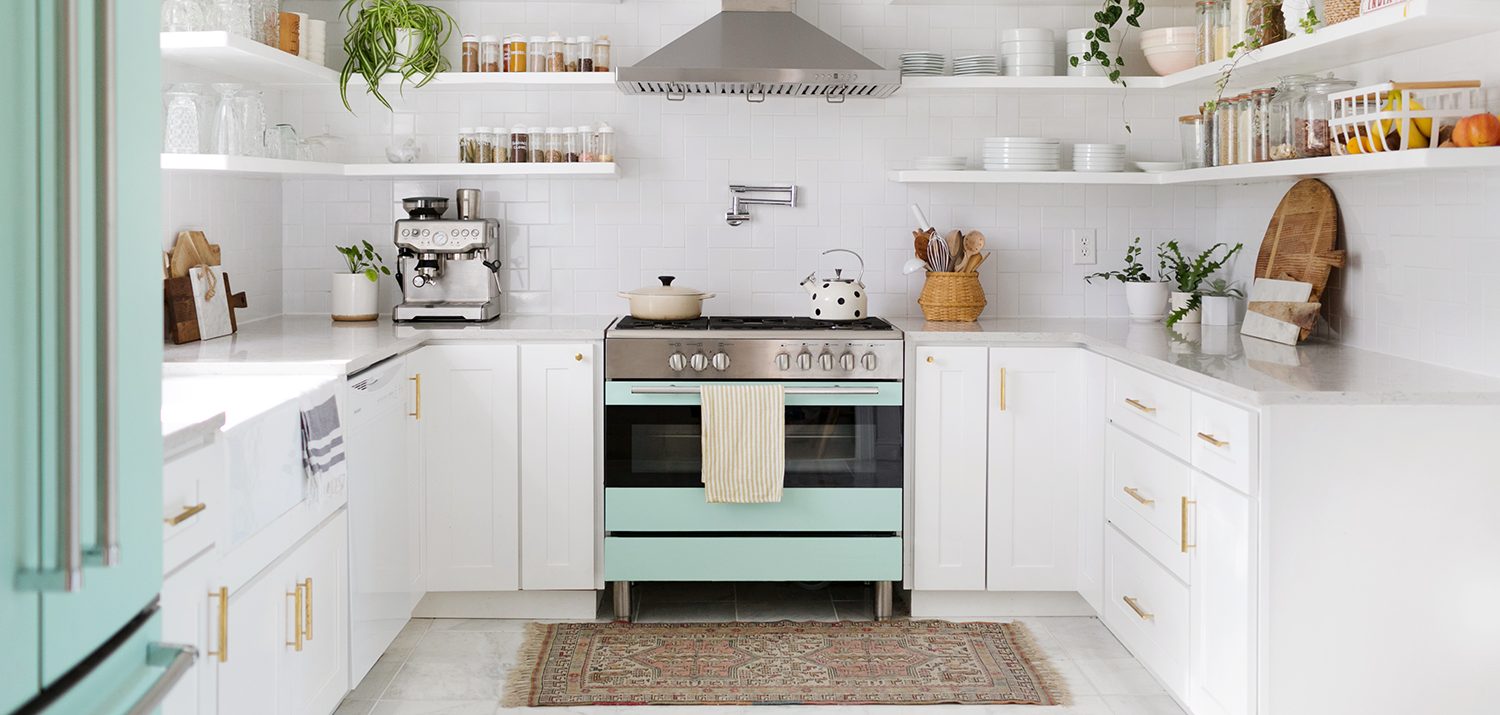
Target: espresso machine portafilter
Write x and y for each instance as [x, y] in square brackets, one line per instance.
[448, 268]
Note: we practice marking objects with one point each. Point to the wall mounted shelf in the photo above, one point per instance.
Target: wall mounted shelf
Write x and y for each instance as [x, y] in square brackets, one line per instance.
[470, 81]
[256, 166]
[221, 57]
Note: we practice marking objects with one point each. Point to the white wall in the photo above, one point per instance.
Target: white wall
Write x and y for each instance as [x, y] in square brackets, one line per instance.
[243, 216]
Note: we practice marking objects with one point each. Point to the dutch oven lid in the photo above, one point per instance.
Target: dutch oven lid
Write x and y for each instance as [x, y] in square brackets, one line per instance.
[666, 288]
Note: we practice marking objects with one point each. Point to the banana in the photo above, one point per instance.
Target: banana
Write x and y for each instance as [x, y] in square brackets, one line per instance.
[1393, 103]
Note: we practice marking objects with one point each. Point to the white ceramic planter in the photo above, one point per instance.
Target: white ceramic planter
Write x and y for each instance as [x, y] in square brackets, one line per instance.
[1180, 301]
[407, 41]
[1147, 301]
[1220, 310]
[355, 297]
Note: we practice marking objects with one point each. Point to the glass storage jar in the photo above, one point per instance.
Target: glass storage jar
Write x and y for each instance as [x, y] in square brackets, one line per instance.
[1226, 131]
[555, 53]
[466, 149]
[1260, 124]
[537, 140]
[569, 145]
[517, 53]
[520, 144]
[536, 54]
[588, 151]
[1281, 117]
[606, 140]
[1246, 118]
[489, 146]
[1194, 133]
[1213, 30]
[469, 54]
[601, 54]
[570, 54]
[1310, 124]
[489, 54]
[585, 53]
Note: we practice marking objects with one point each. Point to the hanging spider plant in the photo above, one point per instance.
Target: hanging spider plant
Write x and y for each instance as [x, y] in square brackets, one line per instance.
[393, 37]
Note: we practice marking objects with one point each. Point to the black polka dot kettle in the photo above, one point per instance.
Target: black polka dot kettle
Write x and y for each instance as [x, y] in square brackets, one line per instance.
[837, 298]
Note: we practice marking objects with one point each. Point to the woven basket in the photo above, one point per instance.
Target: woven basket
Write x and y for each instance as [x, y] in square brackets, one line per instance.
[1336, 11]
[952, 296]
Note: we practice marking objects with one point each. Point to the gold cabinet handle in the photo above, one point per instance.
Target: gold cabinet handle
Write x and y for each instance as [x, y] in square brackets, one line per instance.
[930, 358]
[186, 514]
[1212, 440]
[1002, 389]
[1136, 495]
[296, 642]
[1185, 545]
[1138, 405]
[578, 357]
[307, 618]
[1136, 606]
[223, 652]
[416, 412]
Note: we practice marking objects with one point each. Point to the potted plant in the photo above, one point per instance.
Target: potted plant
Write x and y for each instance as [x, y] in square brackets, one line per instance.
[1189, 275]
[1145, 294]
[393, 37]
[1220, 305]
[355, 294]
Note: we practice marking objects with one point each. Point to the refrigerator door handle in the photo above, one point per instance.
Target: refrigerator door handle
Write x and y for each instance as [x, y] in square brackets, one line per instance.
[178, 660]
[106, 551]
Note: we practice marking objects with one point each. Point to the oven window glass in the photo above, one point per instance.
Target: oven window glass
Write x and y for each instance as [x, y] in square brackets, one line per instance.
[826, 446]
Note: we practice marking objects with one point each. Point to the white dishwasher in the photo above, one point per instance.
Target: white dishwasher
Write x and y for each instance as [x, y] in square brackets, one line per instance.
[385, 559]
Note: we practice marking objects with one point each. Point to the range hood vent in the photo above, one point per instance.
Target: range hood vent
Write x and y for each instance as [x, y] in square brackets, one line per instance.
[758, 49]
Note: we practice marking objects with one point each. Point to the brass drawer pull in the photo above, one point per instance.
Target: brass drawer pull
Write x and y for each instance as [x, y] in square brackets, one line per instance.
[307, 619]
[1135, 606]
[296, 642]
[1185, 545]
[1002, 389]
[578, 357]
[416, 413]
[223, 652]
[1212, 440]
[186, 514]
[1138, 405]
[1136, 495]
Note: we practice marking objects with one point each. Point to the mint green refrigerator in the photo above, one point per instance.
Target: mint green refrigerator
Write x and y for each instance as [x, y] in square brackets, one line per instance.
[80, 354]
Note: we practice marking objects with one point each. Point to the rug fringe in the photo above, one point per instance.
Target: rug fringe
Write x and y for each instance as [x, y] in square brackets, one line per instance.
[518, 684]
[1046, 673]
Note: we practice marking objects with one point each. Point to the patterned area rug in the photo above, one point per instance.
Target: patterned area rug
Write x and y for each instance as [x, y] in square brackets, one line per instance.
[885, 663]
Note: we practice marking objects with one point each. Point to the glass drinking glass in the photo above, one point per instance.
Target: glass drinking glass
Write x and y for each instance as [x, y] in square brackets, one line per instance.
[282, 142]
[227, 123]
[181, 121]
[236, 17]
[184, 15]
[252, 122]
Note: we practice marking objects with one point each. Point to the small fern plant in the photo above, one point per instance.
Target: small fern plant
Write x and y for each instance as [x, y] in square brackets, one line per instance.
[1189, 274]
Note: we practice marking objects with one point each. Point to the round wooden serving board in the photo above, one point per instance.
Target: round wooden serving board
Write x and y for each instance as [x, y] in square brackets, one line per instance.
[1299, 242]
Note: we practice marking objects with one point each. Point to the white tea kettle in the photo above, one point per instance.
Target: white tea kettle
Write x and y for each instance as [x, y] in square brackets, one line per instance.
[837, 298]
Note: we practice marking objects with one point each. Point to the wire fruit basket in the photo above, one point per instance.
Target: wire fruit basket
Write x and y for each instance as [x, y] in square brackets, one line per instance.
[1399, 116]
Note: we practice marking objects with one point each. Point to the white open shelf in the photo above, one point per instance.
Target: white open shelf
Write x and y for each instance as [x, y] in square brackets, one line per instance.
[1037, 85]
[221, 57]
[255, 166]
[1412, 160]
[464, 81]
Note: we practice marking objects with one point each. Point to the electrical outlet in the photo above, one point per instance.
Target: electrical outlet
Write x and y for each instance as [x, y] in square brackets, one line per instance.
[1085, 250]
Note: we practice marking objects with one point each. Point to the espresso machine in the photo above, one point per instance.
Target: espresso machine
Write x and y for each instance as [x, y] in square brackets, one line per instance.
[449, 269]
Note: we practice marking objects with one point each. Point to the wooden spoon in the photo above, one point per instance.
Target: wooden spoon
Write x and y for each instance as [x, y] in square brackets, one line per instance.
[955, 241]
[974, 242]
[920, 239]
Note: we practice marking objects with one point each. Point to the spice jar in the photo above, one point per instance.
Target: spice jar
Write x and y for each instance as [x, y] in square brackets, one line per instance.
[555, 53]
[569, 145]
[585, 53]
[1213, 31]
[1312, 113]
[588, 151]
[470, 54]
[605, 137]
[520, 145]
[484, 137]
[536, 138]
[467, 151]
[552, 144]
[1194, 134]
[517, 53]
[570, 54]
[601, 54]
[1282, 118]
[1260, 124]
[489, 54]
[536, 54]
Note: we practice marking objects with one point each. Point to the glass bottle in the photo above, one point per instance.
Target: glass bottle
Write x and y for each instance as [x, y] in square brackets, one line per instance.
[588, 151]
[489, 54]
[536, 54]
[555, 53]
[585, 53]
[606, 141]
[1281, 117]
[1194, 140]
[1312, 114]
[520, 144]
[517, 53]
[536, 138]
[601, 54]
[469, 54]
[570, 54]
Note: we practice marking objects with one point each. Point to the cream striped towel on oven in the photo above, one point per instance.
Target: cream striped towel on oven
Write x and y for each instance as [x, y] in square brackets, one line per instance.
[744, 443]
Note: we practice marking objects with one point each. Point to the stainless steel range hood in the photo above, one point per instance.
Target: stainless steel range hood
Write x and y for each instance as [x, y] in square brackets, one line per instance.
[758, 49]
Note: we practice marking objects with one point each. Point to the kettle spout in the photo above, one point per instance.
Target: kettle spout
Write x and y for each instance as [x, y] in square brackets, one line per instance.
[810, 283]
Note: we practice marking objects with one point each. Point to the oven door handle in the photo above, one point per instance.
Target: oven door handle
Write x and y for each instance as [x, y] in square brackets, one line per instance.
[694, 390]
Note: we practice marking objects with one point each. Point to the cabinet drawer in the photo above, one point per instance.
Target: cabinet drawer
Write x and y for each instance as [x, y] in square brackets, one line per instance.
[1223, 441]
[1147, 609]
[800, 509]
[191, 485]
[1145, 492]
[1153, 409]
[752, 558]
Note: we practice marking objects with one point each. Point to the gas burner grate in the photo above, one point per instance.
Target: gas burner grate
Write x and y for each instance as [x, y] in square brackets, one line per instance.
[629, 323]
[795, 323]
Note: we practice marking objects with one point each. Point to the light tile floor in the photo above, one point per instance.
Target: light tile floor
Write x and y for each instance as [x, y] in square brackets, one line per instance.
[458, 667]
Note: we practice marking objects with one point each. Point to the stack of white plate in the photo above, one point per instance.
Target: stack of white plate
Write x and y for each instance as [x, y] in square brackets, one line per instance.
[1028, 52]
[1020, 154]
[1098, 157]
[923, 64]
[1078, 44]
[942, 163]
[971, 65]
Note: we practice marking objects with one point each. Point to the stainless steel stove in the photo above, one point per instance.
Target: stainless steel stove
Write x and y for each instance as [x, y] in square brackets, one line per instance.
[840, 518]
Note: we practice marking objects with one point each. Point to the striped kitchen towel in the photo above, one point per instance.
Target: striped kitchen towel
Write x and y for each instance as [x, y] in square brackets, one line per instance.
[322, 444]
[744, 443]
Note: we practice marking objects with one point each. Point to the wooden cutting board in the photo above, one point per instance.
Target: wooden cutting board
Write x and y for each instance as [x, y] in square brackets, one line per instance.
[1299, 243]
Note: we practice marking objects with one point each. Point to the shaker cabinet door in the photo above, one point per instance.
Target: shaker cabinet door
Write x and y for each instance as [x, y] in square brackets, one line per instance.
[1221, 614]
[950, 393]
[559, 465]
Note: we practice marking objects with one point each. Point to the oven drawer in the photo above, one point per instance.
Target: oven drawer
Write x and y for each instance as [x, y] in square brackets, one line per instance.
[683, 509]
[752, 558]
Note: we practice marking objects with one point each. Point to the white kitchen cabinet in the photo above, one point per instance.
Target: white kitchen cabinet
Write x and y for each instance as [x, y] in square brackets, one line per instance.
[189, 616]
[1035, 411]
[559, 414]
[951, 385]
[1221, 612]
[254, 636]
[469, 431]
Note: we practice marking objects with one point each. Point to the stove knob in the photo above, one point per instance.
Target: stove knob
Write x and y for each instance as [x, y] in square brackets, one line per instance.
[869, 361]
[846, 362]
[825, 360]
[699, 361]
[804, 360]
[721, 361]
[677, 361]
[783, 361]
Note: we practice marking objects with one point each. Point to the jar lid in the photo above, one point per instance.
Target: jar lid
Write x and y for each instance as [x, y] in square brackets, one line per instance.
[1190, 118]
[553, 130]
[482, 130]
[533, 130]
[585, 129]
[518, 129]
[570, 130]
[603, 38]
[554, 37]
[466, 130]
[485, 38]
[605, 128]
[470, 38]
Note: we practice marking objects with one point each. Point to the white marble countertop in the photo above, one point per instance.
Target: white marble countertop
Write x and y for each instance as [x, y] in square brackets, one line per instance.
[195, 406]
[314, 341]
[1218, 360]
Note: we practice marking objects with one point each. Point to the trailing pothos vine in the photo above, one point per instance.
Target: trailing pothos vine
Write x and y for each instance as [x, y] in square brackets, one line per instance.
[1105, 20]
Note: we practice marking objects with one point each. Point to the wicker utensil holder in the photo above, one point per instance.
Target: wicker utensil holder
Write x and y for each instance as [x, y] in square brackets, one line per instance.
[952, 297]
[1336, 11]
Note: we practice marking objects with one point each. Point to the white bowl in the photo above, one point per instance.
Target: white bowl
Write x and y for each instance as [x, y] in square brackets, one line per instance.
[1010, 48]
[1165, 63]
[1157, 167]
[1026, 34]
[1182, 33]
[1031, 72]
[1101, 146]
[1021, 140]
[1149, 49]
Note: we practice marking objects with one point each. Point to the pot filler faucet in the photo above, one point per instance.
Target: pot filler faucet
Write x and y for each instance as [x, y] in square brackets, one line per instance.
[784, 195]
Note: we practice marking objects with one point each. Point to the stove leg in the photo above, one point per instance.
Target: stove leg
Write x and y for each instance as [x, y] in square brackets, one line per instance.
[883, 593]
[622, 600]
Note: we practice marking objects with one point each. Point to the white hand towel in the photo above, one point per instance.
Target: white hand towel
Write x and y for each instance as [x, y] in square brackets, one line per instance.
[744, 443]
[322, 444]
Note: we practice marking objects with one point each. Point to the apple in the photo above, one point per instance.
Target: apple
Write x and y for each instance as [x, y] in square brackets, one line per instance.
[1477, 130]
